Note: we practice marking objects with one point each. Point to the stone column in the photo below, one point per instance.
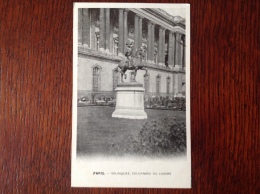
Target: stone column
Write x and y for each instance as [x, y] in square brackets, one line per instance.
[107, 32]
[121, 32]
[125, 29]
[178, 51]
[170, 53]
[86, 28]
[160, 45]
[181, 55]
[140, 31]
[102, 30]
[173, 49]
[152, 41]
[80, 26]
[183, 52]
[163, 47]
[92, 29]
[149, 42]
[136, 39]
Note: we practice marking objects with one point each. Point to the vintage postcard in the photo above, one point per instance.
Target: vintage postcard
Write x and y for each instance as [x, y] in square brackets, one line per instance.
[131, 95]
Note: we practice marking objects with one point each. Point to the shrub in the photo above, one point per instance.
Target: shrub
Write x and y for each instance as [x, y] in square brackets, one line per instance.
[161, 137]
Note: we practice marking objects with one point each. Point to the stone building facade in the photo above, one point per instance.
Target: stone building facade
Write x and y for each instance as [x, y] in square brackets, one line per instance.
[102, 37]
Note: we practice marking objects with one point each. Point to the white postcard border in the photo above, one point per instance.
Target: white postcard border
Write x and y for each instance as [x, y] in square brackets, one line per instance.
[82, 169]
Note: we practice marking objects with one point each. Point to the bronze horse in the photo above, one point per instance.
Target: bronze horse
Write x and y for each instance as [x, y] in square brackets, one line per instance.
[134, 61]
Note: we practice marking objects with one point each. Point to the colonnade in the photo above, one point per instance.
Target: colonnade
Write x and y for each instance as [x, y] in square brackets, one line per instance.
[175, 41]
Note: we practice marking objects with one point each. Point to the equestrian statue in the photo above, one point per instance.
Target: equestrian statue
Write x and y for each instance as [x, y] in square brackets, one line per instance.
[133, 61]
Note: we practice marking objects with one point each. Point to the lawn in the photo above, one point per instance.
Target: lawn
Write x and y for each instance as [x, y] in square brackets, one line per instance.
[97, 130]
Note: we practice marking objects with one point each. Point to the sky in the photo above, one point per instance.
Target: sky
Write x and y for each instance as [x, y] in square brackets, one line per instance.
[176, 12]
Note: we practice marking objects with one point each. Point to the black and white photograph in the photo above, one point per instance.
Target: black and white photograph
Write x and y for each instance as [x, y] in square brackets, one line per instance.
[131, 95]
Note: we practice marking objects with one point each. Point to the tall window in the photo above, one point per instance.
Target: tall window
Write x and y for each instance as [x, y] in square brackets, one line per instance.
[96, 79]
[115, 78]
[146, 83]
[158, 83]
[168, 82]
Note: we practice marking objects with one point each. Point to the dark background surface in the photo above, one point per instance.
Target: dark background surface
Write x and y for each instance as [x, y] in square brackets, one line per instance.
[36, 97]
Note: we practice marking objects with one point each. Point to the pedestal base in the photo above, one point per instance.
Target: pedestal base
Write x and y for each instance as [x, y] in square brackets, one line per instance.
[130, 101]
[129, 114]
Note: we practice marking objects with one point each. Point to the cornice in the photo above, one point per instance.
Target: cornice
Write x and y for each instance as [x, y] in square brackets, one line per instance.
[159, 19]
[97, 54]
[163, 68]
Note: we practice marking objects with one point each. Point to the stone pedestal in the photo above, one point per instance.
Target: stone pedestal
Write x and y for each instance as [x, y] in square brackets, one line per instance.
[130, 101]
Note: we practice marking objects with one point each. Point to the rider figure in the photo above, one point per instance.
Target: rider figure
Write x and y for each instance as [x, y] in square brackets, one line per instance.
[131, 63]
[130, 59]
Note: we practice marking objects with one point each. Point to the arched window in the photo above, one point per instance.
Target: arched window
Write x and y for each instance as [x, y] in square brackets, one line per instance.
[158, 83]
[115, 78]
[96, 78]
[146, 83]
[168, 82]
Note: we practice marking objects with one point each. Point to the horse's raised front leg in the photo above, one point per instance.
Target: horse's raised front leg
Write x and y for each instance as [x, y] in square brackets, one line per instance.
[122, 79]
[136, 68]
[146, 71]
[122, 74]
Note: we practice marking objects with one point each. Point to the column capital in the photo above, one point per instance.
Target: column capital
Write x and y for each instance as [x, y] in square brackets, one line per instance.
[140, 18]
[178, 33]
[150, 22]
[136, 17]
[161, 28]
[121, 10]
[170, 31]
[126, 11]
